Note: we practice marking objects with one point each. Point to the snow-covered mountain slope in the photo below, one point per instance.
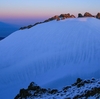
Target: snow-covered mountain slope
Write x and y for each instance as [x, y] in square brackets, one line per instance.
[6, 29]
[51, 54]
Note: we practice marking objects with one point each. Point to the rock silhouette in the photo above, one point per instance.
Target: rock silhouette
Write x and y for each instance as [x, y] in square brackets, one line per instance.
[87, 14]
[98, 15]
[80, 15]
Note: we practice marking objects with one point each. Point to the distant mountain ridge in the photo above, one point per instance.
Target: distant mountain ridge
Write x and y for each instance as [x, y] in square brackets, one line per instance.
[7, 29]
[2, 38]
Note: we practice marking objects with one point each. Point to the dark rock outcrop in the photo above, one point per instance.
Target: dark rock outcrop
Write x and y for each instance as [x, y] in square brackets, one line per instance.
[56, 17]
[80, 15]
[87, 14]
[72, 16]
[64, 16]
[98, 15]
[78, 90]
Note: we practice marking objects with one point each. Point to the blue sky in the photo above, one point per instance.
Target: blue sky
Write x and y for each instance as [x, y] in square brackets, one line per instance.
[27, 11]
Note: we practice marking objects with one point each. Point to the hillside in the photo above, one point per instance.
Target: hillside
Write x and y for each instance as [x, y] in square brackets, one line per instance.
[52, 54]
[6, 29]
[1, 38]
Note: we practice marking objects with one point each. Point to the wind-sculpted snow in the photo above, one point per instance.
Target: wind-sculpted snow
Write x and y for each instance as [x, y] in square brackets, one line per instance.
[51, 54]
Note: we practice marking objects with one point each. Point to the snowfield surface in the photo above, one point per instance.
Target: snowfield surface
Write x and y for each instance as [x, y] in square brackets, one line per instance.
[52, 54]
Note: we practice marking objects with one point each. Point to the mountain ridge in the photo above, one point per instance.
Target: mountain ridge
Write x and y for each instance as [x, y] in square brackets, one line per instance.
[63, 17]
[83, 89]
[6, 29]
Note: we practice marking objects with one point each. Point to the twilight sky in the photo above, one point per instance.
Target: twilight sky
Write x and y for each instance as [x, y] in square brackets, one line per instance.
[24, 12]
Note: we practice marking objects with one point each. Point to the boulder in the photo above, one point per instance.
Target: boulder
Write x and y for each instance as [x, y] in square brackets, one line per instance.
[80, 15]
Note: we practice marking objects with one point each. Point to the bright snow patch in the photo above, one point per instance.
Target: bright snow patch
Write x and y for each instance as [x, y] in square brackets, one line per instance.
[51, 54]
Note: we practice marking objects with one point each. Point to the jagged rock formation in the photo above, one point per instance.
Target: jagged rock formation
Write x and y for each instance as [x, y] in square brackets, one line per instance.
[62, 17]
[26, 27]
[80, 15]
[80, 89]
[98, 15]
[56, 17]
[87, 14]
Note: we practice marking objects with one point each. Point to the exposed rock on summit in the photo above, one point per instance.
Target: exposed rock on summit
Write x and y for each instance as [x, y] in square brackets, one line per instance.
[98, 16]
[87, 14]
[80, 15]
[56, 17]
[62, 17]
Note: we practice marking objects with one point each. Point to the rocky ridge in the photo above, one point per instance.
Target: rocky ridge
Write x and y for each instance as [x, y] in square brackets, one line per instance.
[62, 17]
[81, 89]
[56, 17]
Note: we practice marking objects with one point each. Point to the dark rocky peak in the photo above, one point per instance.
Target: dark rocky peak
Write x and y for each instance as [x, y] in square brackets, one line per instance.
[56, 17]
[60, 17]
[64, 16]
[98, 15]
[87, 14]
[80, 15]
[72, 16]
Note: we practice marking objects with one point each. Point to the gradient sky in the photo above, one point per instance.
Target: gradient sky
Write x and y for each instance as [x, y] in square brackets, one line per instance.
[28, 11]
